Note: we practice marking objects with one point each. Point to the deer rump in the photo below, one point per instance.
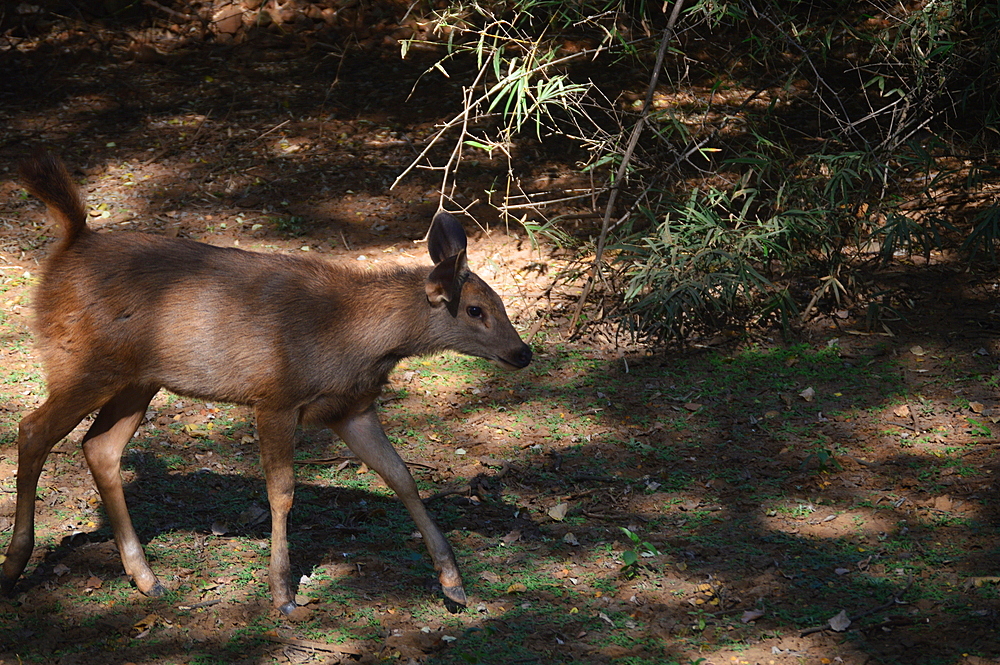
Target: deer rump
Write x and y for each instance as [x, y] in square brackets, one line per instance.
[301, 340]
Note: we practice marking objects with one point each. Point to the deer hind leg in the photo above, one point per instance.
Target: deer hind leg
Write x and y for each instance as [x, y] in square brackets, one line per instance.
[364, 435]
[37, 434]
[103, 446]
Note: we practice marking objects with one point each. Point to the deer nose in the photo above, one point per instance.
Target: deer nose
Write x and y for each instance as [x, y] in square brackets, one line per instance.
[522, 357]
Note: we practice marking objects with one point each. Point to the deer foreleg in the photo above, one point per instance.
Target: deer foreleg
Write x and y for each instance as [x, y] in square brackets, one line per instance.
[276, 430]
[363, 434]
[103, 446]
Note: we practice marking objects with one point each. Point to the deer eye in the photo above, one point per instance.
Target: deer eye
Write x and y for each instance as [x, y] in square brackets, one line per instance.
[474, 312]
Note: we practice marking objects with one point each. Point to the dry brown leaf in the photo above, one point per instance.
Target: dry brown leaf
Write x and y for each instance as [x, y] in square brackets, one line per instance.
[511, 537]
[490, 577]
[558, 511]
[976, 582]
[145, 624]
[840, 621]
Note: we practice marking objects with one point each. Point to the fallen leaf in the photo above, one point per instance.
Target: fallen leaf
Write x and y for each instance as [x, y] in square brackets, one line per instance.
[840, 621]
[976, 582]
[490, 577]
[977, 407]
[751, 615]
[808, 394]
[143, 626]
[570, 539]
[693, 406]
[917, 350]
[511, 537]
[255, 514]
[516, 587]
[60, 569]
[902, 411]
[943, 503]
[558, 512]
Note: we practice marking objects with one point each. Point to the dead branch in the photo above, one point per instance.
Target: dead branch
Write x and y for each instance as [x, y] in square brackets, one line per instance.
[668, 33]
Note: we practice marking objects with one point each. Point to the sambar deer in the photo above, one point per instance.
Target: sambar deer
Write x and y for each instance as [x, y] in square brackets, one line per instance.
[120, 315]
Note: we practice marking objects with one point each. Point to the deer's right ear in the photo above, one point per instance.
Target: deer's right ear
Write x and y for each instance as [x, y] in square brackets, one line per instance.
[444, 284]
[446, 237]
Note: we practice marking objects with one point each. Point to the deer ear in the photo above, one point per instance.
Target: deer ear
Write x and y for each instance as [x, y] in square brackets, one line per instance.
[445, 238]
[444, 284]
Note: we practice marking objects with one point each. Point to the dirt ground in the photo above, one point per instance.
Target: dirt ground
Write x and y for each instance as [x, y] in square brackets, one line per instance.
[831, 500]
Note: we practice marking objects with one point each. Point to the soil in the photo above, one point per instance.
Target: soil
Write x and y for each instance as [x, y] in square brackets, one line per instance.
[777, 486]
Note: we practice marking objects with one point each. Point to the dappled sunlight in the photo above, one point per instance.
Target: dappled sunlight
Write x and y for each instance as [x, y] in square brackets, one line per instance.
[719, 500]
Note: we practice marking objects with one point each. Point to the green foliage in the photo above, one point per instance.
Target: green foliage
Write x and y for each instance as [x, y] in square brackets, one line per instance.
[290, 226]
[632, 557]
[852, 129]
[985, 235]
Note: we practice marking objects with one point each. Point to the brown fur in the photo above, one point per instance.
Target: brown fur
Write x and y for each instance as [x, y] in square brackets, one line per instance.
[119, 316]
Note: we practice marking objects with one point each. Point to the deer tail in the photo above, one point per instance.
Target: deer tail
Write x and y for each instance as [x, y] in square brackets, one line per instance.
[46, 177]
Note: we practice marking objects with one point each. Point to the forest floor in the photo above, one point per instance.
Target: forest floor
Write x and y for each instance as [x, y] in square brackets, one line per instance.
[827, 500]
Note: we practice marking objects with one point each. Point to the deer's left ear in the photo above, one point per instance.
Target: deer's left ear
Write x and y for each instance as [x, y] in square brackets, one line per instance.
[444, 284]
[446, 237]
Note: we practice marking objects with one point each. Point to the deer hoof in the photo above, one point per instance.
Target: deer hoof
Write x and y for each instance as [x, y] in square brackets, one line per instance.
[156, 591]
[287, 608]
[7, 586]
[454, 598]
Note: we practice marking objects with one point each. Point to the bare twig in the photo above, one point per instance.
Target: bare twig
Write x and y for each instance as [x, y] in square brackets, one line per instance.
[176, 14]
[275, 128]
[330, 461]
[884, 606]
[312, 644]
[466, 113]
[668, 33]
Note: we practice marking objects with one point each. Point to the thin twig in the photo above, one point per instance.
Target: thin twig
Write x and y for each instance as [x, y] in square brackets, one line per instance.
[330, 461]
[168, 10]
[312, 644]
[668, 33]
[884, 606]
[275, 128]
[463, 116]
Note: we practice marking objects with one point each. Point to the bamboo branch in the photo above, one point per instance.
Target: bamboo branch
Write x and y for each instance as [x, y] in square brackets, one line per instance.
[668, 33]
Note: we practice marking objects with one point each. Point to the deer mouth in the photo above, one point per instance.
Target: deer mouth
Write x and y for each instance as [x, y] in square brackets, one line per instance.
[518, 360]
